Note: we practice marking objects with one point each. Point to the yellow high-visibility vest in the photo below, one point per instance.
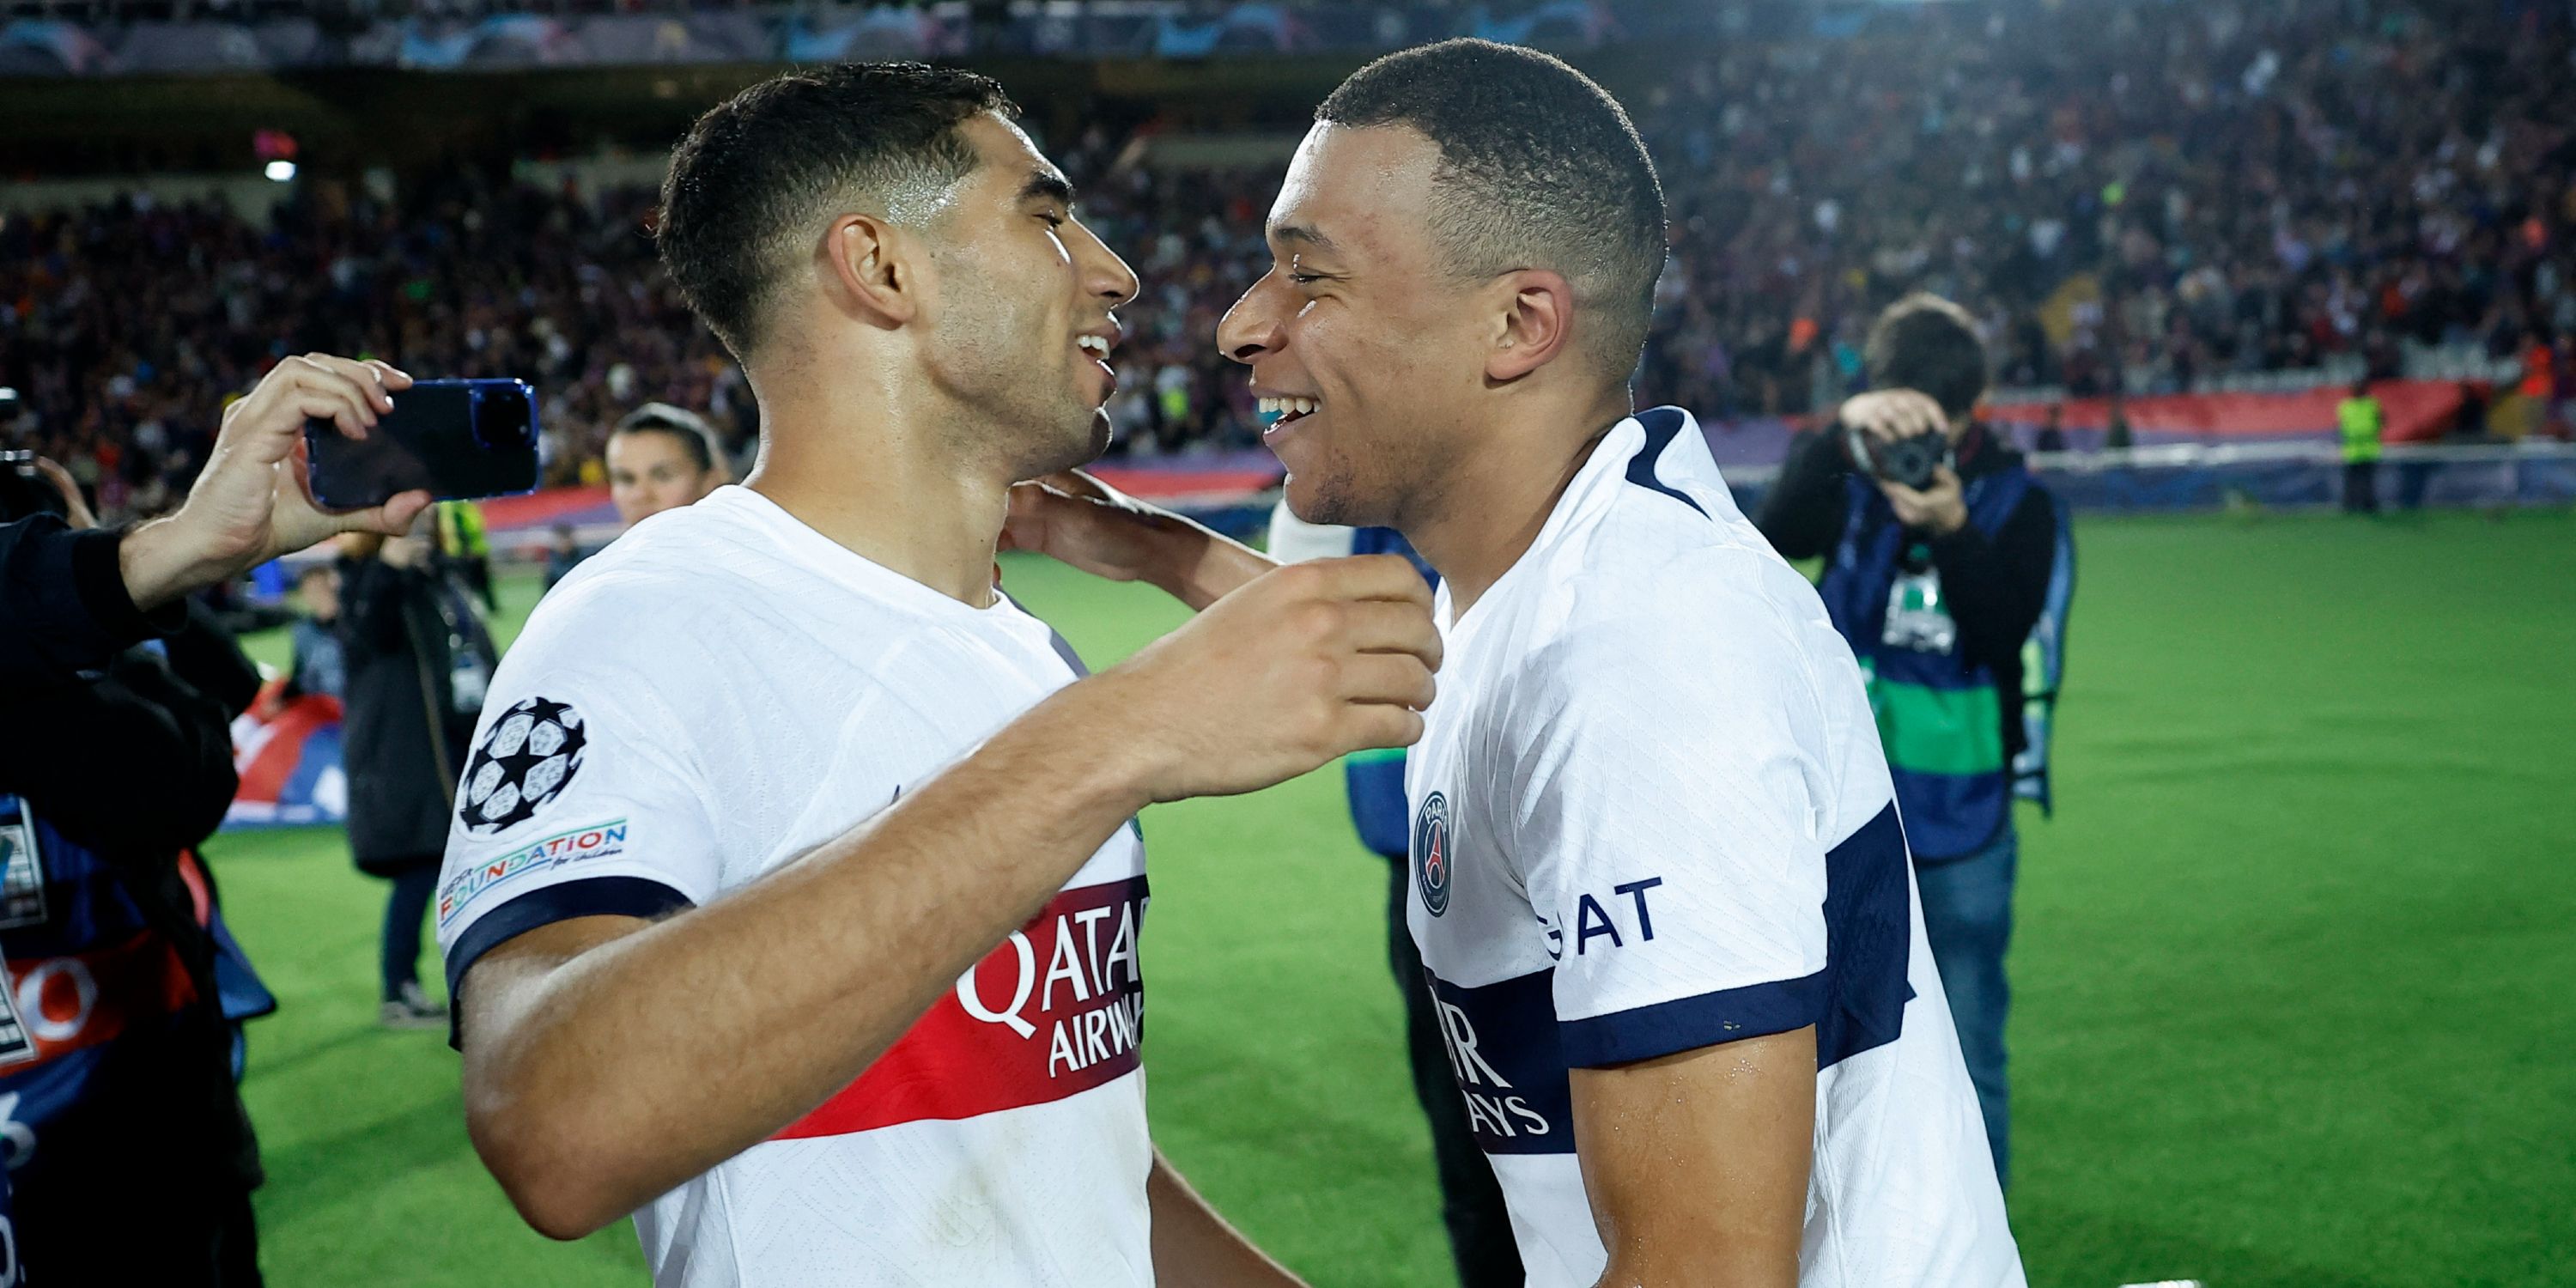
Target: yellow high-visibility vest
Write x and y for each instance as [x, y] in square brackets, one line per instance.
[2360, 418]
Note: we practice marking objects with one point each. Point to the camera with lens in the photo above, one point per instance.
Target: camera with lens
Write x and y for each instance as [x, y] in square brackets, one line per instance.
[1910, 462]
[25, 491]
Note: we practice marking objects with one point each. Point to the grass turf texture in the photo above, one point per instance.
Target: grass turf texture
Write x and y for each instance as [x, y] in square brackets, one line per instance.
[2291, 971]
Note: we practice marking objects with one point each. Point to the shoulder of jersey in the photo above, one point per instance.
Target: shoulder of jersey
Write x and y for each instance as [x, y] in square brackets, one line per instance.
[659, 577]
[1693, 604]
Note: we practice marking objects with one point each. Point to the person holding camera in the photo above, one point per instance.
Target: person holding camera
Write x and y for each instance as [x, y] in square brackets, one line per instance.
[1939, 548]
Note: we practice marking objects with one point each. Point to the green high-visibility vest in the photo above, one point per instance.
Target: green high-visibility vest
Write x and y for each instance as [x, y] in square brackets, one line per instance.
[2360, 420]
[460, 523]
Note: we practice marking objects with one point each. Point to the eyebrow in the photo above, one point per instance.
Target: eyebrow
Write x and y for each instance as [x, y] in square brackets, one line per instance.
[1049, 184]
[1303, 234]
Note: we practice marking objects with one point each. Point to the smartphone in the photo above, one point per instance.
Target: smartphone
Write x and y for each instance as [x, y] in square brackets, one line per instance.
[456, 439]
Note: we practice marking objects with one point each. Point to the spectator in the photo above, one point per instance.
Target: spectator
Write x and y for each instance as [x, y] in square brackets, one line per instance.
[419, 659]
[661, 458]
[1936, 588]
[563, 555]
[2052, 434]
[319, 663]
[2360, 419]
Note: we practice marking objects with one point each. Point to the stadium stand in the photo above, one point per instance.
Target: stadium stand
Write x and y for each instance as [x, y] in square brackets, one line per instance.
[2215, 199]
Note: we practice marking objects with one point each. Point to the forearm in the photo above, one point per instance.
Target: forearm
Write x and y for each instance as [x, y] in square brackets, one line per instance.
[162, 561]
[1194, 1247]
[646, 1061]
[1201, 566]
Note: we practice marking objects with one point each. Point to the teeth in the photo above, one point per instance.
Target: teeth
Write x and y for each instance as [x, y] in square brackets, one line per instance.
[1093, 344]
[1289, 406]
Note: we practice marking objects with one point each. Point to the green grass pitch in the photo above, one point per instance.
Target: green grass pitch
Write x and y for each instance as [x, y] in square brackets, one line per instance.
[2293, 970]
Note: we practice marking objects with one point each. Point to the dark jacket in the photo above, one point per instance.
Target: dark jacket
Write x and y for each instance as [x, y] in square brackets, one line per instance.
[405, 630]
[1995, 588]
[63, 603]
[128, 768]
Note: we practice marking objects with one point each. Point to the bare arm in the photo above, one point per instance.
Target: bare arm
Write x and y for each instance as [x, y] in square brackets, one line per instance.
[1084, 522]
[1195, 1248]
[608, 1059]
[1697, 1162]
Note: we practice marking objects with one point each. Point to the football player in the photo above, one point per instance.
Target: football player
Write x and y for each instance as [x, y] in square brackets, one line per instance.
[1659, 884]
[791, 902]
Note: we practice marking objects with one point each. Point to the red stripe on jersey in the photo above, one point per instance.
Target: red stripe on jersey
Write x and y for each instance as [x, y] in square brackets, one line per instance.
[1057, 1009]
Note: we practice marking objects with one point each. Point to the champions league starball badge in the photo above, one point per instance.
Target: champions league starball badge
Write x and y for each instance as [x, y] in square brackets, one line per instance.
[1431, 857]
[526, 759]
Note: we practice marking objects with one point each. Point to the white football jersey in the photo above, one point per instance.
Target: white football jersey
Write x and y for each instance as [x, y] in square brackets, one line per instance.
[1650, 814]
[717, 692]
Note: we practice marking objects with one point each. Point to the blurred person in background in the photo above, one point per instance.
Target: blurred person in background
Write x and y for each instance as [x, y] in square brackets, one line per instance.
[467, 548]
[1936, 590]
[319, 664]
[419, 659]
[563, 554]
[661, 458]
[2359, 420]
[1471, 1203]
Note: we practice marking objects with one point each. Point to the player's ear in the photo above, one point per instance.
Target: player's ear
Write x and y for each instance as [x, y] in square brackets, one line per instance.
[1533, 320]
[867, 272]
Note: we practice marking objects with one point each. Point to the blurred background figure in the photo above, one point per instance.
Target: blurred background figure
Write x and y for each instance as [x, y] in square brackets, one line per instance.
[1936, 587]
[661, 458]
[1471, 1203]
[2359, 418]
[467, 548]
[320, 663]
[419, 659]
[564, 553]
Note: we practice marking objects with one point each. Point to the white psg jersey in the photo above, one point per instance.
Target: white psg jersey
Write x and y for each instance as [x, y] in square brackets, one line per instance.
[718, 692]
[1650, 814]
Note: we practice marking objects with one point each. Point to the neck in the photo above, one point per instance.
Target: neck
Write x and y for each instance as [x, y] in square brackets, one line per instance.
[1501, 496]
[863, 465]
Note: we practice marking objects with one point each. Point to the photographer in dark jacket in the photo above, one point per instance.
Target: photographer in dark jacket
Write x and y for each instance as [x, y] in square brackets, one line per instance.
[418, 659]
[1936, 585]
[119, 1079]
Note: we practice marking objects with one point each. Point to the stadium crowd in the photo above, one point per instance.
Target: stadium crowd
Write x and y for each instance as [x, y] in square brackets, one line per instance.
[2175, 192]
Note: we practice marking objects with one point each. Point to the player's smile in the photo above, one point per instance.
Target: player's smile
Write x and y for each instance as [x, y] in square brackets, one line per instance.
[1096, 344]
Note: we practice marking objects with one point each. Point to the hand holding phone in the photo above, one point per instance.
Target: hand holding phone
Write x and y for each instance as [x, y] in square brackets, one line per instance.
[244, 509]
[454, 439]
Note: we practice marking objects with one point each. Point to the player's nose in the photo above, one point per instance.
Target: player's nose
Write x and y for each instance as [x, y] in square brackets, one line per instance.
[1105, 275]
[1251, 328]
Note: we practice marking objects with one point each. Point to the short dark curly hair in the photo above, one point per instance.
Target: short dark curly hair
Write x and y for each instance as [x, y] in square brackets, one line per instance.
[1539, 168]
[1929, 345]
[762, 171]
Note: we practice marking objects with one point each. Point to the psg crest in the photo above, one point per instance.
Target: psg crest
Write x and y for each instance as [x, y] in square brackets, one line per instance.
[1431, 857]
[526, 759]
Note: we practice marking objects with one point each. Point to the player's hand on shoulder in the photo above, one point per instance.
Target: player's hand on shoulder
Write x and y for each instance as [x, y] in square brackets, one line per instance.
[1300, 665]
[1076, 519]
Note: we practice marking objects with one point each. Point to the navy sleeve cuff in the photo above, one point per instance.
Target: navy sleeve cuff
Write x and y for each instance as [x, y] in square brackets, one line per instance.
[100, 579]
[1688, 1023]
[594, 897]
